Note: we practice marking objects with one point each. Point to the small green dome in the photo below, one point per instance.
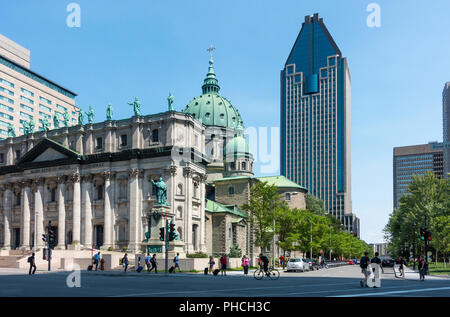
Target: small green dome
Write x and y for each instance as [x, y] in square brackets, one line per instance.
[210, 108]
[237, 145]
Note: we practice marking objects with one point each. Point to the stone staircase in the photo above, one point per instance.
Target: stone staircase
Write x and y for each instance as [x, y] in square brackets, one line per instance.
[10, 261]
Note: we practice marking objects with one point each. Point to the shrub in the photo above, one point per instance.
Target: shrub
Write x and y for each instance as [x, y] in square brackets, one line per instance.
[197, 255]
[235, 252]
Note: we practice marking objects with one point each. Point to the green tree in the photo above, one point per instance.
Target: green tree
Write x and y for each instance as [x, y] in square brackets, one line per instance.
[263, 203]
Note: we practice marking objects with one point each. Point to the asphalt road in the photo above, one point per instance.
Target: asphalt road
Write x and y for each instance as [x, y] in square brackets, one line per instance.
[333, 282]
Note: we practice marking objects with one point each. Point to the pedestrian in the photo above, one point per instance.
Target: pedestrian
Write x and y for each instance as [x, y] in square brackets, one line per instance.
[223, 265]
[153, 263]
[376, 264]
[363, 264]
[402, 266]
[97, 260]
[125, 262]
[32, 262]
[282, 261]
[377, 260]
[176, 261]
[421, 267]
[245, 262]
[147, 261]
[211, 264]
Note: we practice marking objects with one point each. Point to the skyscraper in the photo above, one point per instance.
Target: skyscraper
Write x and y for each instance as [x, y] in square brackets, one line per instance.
[27, 96]
[315, 119]
[414, 160]
[446, 124]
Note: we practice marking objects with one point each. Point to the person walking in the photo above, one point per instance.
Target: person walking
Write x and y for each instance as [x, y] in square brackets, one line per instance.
[282, 261]
[211, 264]
[153, 263]
[402, 266]
[377, 260]
[97, 260]
[125, 262]
[32, 262]
[223, 265]
[176, 261]
[363, 264]
[421, 267]
[147, 261]
[245, 263]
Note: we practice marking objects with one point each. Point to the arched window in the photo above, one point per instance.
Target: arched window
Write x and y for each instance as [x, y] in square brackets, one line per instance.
[231, 190]
[179, 212]
[244, 165]
[180, 189]
[180, 233]
[53, 194]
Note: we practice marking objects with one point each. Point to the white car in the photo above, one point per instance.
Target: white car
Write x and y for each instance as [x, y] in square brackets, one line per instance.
[297, 264]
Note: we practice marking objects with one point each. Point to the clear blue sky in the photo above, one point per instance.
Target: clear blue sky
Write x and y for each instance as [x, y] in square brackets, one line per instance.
[125, 49]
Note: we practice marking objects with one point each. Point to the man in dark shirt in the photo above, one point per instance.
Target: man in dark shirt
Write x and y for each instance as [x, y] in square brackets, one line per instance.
[422, 263]
[31, 260]
[265, 262]
[377, 260]
[363, 264]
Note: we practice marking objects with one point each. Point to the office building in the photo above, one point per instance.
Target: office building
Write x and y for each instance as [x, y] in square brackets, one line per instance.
[315, 120]
[26, 95]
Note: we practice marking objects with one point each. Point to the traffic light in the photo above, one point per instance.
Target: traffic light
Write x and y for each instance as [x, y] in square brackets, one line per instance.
[428, 235]
[161, 233]
[422, 233]
[44, 238]
[171, 231]
[51, 238]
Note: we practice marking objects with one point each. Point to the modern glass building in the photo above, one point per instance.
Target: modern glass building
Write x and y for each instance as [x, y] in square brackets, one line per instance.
[315, 120]
[415, 160]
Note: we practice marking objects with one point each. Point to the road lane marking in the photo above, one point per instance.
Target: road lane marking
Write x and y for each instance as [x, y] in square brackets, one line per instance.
[221, 290]
[395, 292]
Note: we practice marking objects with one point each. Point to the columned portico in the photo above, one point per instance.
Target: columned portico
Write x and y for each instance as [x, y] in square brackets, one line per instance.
[107, 227]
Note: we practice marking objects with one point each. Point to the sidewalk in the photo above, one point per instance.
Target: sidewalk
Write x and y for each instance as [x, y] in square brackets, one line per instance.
[410, 274]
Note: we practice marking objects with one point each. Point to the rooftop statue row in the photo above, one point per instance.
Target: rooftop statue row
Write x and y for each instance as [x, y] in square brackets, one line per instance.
[28, 126]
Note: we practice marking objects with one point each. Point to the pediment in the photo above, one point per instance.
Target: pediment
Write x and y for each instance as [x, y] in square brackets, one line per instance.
[48, 150]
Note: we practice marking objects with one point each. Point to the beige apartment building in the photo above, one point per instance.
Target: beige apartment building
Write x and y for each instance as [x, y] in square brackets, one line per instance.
[26, 95]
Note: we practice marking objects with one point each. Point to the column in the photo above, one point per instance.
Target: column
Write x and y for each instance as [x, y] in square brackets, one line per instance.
[25, 216]
[134, 209]
[187, 171]
[107, 224]
[202, 213]
[61, 213]
[7, 206]
[76, 209]
[39, 211]
[87, 211]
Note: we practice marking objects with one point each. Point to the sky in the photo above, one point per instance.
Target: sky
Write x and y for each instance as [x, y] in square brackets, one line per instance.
[147, 49]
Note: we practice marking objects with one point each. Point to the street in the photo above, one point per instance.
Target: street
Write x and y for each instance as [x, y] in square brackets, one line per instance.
[333, 282]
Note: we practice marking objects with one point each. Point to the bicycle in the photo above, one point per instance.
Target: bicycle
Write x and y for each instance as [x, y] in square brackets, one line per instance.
[272, 273]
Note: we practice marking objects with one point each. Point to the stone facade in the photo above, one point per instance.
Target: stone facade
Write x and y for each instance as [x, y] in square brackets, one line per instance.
[93, 183]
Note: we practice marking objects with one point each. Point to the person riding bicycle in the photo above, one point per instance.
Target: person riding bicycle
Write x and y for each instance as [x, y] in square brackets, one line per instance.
[265, 261]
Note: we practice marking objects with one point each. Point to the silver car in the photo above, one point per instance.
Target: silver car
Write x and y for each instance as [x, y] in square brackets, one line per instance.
[297, 264]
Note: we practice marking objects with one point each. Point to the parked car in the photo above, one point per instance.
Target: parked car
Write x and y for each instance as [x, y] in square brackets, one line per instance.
[313, 265]
[350, 262]
[387, 262]
[297, 264]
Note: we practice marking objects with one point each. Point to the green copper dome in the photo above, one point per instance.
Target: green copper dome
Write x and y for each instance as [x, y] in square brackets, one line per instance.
[210, 108]
[237, 145]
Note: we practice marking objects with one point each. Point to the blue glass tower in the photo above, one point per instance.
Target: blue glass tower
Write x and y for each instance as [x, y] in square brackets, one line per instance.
[315, 120]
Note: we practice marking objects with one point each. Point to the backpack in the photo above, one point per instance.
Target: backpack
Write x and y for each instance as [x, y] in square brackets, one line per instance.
[174, 259]
[29, 259]
[363, 263]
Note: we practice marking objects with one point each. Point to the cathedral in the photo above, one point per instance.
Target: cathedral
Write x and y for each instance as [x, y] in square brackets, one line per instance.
[96, 184]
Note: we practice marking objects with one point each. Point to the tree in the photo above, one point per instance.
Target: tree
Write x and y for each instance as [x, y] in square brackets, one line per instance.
[427, 203]
[263, 203]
